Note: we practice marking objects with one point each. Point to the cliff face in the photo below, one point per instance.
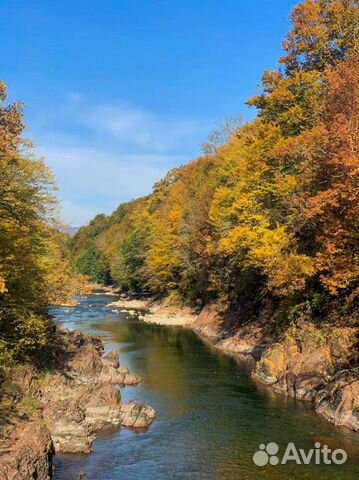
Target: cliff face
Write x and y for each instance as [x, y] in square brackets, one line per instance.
[316, 364]
[210, 323]
[308, 362]
[70, 404]
[338, 402]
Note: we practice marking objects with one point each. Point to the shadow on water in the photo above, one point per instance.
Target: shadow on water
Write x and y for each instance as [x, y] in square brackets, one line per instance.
[211, 415]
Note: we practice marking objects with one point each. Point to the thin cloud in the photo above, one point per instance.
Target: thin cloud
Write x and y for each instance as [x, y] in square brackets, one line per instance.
[106, 154]
[137, 128]
[92, 181]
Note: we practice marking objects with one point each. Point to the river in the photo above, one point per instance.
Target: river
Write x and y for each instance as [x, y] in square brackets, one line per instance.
[211, 417]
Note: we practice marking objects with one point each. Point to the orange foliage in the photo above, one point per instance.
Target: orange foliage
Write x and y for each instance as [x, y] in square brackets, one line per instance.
[335, 165]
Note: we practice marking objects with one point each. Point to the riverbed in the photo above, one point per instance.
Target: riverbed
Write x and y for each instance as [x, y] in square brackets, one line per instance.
[211, 417]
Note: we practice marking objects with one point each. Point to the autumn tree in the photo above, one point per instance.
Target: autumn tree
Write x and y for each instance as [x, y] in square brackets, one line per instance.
[330, 203]
[32, 274]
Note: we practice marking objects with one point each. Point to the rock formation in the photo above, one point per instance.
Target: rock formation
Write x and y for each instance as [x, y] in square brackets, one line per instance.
[74, 400]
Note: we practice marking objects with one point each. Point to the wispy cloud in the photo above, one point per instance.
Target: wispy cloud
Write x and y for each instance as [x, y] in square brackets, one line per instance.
[106, 154]
[93, 182]
[140, 129]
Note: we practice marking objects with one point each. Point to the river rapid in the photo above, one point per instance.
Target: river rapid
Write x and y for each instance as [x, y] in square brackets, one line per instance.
[211, 417]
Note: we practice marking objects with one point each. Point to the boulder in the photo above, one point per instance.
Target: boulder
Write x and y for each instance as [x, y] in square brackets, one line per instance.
[137, 415]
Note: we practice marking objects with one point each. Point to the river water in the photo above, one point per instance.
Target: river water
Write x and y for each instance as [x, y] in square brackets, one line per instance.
[211, 417]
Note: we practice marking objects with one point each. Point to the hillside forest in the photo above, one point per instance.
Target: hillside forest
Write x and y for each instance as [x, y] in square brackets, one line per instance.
[268, 215]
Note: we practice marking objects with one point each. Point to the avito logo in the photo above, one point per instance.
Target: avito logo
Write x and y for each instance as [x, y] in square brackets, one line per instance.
[269, 454]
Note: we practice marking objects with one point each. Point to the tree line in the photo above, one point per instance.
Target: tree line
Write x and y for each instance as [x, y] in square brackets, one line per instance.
[270, 211]
[34, 270]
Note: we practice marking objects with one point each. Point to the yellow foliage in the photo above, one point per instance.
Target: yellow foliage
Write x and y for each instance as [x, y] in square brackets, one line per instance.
[288, 273]
[3, 288]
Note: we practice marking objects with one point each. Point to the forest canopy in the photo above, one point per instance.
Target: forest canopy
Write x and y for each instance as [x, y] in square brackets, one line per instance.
[269, 212]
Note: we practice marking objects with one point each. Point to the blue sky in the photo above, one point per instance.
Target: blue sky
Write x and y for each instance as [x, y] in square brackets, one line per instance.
[120, 91]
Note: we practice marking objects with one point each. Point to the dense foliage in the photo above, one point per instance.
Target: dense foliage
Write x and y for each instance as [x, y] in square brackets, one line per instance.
[272, 210]
[34, 272]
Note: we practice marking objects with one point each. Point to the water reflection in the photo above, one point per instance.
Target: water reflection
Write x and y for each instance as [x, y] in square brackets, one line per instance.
[211, 415]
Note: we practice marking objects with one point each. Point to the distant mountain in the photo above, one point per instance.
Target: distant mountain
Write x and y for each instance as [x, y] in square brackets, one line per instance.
[70, 230]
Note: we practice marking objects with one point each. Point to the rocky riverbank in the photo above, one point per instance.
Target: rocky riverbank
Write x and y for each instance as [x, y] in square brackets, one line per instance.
[312, 363]
[162, 312]
[307, 362]
[66, 405]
